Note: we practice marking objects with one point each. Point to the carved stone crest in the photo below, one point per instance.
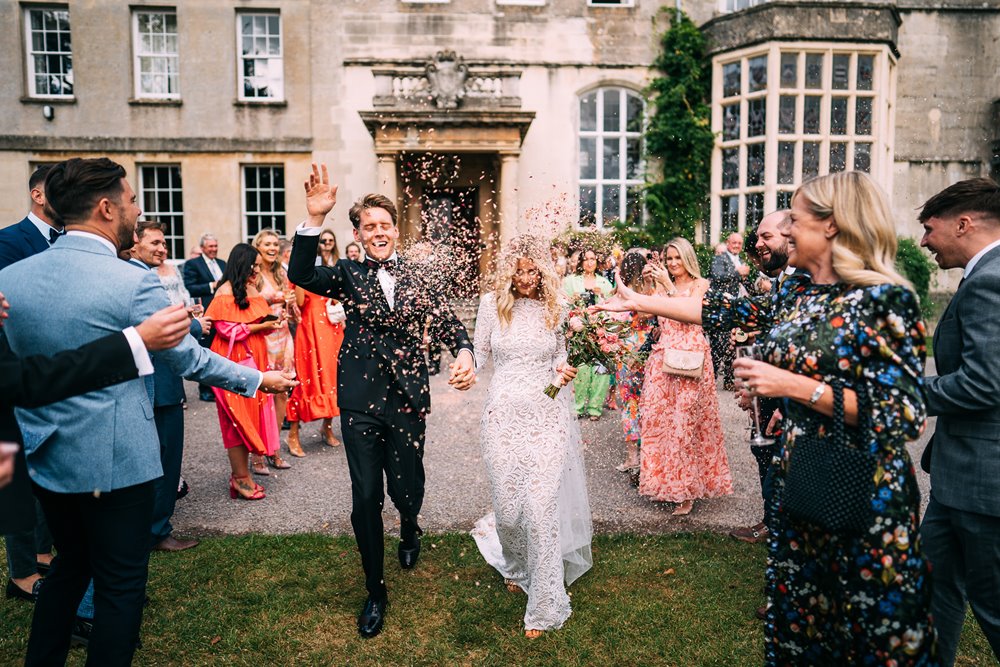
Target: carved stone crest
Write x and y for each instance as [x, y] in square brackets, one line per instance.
[446, 75]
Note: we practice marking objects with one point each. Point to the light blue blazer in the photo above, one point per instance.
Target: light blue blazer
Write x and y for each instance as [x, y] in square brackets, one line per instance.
[73, 293]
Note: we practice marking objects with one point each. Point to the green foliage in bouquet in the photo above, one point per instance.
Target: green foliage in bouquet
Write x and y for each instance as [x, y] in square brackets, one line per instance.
[678, 134]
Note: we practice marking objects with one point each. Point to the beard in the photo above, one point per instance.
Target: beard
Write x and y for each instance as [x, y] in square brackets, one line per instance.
[126, 233]
[777, 261]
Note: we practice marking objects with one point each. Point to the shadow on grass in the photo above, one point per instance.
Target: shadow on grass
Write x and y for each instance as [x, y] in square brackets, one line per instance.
[682, 599]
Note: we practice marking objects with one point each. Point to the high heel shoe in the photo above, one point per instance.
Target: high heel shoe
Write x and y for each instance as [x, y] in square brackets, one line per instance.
[236, 491]
[277, 462]
[258, 466]
[329, 438]
[294, 446]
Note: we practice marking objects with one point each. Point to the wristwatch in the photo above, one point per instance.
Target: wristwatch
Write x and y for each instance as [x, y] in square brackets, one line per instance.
[817, 393]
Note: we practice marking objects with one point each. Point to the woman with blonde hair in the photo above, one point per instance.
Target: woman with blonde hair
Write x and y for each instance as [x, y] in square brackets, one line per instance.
[275, 289]
[683, 455]
[317, 345]
[843, 348]
[538, 534]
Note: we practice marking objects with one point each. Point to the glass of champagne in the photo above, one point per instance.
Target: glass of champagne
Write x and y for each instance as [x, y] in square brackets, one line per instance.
[758, 439]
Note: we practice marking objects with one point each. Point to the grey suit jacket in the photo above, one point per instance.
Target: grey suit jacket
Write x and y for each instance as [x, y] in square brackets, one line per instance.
[73, 293]
[965, 395]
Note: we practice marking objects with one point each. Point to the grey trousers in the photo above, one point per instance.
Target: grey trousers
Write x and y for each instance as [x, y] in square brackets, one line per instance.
[964, 551]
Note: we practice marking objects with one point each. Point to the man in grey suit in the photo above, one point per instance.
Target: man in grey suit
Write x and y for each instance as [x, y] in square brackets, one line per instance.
[961, 528]
[93, 459]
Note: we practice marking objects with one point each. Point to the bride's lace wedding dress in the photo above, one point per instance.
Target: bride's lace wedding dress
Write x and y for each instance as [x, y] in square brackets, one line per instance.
[538, 534]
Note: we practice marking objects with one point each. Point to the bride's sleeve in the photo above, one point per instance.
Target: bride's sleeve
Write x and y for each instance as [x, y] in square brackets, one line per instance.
[486, 320]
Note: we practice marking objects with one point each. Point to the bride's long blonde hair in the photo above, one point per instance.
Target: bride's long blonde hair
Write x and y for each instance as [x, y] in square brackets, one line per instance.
[527, 246]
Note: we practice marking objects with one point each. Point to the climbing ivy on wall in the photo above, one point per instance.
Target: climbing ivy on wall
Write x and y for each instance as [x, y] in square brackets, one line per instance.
[678, 135]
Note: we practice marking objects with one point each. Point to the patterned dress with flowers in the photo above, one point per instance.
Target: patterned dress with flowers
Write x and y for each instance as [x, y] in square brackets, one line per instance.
[628, 377]
[846, 599]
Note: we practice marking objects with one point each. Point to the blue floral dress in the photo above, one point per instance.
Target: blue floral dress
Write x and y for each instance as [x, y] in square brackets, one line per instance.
[846, 599]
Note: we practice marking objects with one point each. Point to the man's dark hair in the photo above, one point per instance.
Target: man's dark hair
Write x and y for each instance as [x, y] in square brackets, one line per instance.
[239, 266]
[38, 176]
[73, 187]
[371, 200]
[144, 226]
[975, 195]
[750, 246]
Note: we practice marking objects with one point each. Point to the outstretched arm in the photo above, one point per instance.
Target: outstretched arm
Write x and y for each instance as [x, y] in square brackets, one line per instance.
[681, 309]
[321, 197]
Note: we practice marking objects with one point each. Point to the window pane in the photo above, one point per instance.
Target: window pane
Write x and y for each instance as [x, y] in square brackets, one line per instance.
[863, 157]
[611, 207]
[786, 162]
[755, 164]
[863, 116]
[754, 208]
[838, 115]
[731, 122]
[731, 168]
[731, 79]
[838, 156]
[757, 117]
[814, 70]
[786, 114]
[633, 159]
[633, 205]
[633, 119]
[810, 159]
[841, 71]
[757, 68]
[612, 107]
[612, 159]
[811, 114]
[588, 157]
[785, 199]
[730, 206]
[588, 206]
[789, 70]
[866, 72]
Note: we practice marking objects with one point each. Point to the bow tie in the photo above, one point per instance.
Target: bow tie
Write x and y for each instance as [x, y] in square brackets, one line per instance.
[373, 264]
[54, 235]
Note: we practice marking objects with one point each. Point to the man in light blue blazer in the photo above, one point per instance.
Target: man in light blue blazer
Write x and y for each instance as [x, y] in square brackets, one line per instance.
[93, 459]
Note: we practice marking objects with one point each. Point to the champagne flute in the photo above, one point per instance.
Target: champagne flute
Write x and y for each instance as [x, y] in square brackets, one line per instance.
[758, 439]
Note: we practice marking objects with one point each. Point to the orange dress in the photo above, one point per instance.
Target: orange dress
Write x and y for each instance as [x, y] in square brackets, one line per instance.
[249, 422]
[317, 344]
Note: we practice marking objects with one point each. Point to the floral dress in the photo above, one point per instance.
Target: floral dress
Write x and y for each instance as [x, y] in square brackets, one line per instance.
[846, 599]
[628, 380]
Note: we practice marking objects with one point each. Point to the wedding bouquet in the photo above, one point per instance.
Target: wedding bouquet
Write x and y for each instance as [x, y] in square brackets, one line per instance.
[592, 339]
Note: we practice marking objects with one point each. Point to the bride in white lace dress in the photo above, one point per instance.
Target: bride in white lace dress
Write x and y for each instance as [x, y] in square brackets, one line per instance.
[538, 535]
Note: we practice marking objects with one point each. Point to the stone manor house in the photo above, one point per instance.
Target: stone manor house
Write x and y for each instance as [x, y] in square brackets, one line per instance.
[479, 116]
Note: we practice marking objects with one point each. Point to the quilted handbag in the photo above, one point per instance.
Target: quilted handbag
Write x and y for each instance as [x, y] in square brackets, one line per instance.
[683, 363]
[830, 483]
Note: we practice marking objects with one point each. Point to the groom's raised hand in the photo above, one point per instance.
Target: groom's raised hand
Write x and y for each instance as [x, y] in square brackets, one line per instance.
[463, 371]
[321, 197]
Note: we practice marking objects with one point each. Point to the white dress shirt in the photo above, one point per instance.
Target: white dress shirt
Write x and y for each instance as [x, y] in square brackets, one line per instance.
[213, 268]
[43, 227]
[978, 256]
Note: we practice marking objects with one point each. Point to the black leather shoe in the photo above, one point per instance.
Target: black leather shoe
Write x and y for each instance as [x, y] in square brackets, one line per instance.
[372, 617]
[16, 592]
[208, 398]
[409, 552]
[82, 627]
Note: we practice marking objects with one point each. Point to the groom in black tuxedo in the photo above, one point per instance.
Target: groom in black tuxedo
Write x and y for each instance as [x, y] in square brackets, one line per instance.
[382, 388]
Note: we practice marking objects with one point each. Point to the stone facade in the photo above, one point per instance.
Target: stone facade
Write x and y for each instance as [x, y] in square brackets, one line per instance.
[356, 96]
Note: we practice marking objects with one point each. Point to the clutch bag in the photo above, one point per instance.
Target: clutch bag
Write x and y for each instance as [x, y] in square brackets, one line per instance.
[683, 363]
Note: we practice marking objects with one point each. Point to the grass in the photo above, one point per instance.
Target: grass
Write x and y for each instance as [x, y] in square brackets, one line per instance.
[682, 599]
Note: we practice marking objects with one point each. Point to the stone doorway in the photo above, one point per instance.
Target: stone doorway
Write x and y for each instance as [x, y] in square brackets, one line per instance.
[450, 220]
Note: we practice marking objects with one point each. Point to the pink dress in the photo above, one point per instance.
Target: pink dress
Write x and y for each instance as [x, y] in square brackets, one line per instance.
[280, 350]
[683, 455]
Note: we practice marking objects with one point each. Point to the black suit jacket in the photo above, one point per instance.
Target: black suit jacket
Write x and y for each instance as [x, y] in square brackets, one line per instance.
[39, 380]
[20, 241]
[197, 278]
[382, 347]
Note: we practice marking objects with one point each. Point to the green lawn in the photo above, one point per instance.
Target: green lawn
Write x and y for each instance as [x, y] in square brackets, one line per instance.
[255, 600]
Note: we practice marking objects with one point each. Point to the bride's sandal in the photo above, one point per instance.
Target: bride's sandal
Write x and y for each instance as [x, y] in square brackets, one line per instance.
[533, 634]
[512, 586]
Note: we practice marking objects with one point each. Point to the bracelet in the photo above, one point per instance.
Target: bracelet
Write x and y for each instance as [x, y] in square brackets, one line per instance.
[817, 393]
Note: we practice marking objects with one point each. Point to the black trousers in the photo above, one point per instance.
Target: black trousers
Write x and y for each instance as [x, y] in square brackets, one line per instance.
[393, 443]
[170, 429]
[104, 538]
